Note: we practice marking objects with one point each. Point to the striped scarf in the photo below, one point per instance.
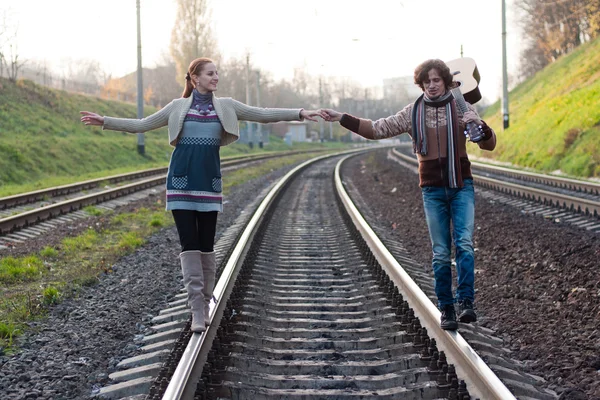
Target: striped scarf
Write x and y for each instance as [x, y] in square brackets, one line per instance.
[420, 138]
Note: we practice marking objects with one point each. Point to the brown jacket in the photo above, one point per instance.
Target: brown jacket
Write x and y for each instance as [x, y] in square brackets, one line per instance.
[433, 166]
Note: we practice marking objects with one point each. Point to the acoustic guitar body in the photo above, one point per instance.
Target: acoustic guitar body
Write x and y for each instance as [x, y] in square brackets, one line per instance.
[466, 75]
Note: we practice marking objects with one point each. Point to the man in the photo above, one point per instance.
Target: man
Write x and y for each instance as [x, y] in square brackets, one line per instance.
[436, 125]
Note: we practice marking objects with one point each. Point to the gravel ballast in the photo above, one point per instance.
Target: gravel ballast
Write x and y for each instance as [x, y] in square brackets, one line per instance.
[537, 281]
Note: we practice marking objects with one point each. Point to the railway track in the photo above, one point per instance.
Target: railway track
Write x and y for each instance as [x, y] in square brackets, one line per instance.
[66, 202]
[310, 304]
[320, 310]
[561, 199]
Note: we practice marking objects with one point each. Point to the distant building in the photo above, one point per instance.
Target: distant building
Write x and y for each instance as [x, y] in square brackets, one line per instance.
[255, 133]
[297, 132]
[292, 131]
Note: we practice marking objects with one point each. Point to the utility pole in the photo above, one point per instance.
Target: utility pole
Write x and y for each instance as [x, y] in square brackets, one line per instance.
[504, 69]
[249, 124]
[140, 84]
[45, 73]
[366, 103]
[258, 126]
[321, 134]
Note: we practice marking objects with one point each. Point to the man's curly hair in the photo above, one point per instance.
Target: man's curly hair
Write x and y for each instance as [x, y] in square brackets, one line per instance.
[422, 72]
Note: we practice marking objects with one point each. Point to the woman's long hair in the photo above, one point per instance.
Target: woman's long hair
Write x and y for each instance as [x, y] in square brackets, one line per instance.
[195, 68]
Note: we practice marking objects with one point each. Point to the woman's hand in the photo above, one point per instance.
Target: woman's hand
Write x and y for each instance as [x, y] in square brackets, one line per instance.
[90, 118]
[471, 116]
[330, 115]
[310, 114]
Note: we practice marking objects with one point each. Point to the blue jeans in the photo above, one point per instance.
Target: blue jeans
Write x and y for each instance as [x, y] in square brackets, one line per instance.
[447, 209]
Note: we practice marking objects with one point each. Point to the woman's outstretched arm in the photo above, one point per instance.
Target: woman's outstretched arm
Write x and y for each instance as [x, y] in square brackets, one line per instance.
[131, 125]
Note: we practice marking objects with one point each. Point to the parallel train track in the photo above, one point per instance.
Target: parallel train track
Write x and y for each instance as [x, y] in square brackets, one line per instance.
[562, 199]
[33, 208]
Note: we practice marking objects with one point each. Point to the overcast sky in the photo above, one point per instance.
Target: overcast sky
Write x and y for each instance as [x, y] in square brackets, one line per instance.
[366, 41]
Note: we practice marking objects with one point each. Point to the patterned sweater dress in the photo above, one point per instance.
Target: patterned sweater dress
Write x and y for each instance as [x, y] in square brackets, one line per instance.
[194, 177]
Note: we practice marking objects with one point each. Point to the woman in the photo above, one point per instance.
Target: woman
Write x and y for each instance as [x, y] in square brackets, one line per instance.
[198, 124]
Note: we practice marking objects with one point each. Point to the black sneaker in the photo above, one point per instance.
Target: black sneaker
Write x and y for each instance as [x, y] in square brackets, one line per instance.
[466, 314]
[448, 319]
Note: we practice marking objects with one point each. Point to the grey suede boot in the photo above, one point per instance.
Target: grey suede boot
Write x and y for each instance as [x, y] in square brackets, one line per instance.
[209, 266]
[193, 279]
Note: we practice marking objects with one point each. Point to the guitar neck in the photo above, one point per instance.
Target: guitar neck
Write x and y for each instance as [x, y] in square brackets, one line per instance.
[460, 100]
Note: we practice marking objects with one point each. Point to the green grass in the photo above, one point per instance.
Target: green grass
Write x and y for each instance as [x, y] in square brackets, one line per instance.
[129, 241]
[7, 332]
[93, 210]
[79, 244]
[48, 252]
[44, 144]
[157, 221]
[21, 269]
[554, 117]
[51, 296]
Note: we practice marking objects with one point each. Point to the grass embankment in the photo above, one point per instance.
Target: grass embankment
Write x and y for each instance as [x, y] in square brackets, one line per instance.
[44, 144]
[33, 283]
[554, 117]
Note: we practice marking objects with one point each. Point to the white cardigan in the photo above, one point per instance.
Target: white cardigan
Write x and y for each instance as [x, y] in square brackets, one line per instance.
[228, 110]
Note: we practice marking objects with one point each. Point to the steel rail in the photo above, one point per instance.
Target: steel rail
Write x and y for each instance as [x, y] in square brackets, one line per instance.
[184, 380]
[9, 224]
[550, 180]
[584, 206]
[576, 185]
[39, 195]
[42, 194]
[481, 380]
[31, 217]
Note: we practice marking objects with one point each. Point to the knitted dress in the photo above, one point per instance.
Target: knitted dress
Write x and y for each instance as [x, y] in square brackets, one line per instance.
[194, 177]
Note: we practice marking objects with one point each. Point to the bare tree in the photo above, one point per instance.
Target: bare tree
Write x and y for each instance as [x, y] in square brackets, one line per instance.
[82, 70]
[232, 79]
[2, 40]
[161, 80]
[593, 18]
[346, 94]
[553, 28]
[232, 83]
[14, 65]
[9, 56]
[300, 81]
[285, 94]
[532, 59]
[192, 35]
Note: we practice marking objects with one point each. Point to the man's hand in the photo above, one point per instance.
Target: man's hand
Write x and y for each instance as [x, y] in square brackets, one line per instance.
[310, 114]
[330, 115]
[471, 116]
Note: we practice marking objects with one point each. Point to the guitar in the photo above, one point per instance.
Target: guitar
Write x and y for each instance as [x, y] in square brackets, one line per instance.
[466, 77]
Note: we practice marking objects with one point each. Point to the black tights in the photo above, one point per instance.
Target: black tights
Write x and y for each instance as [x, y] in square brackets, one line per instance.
[196, 229]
